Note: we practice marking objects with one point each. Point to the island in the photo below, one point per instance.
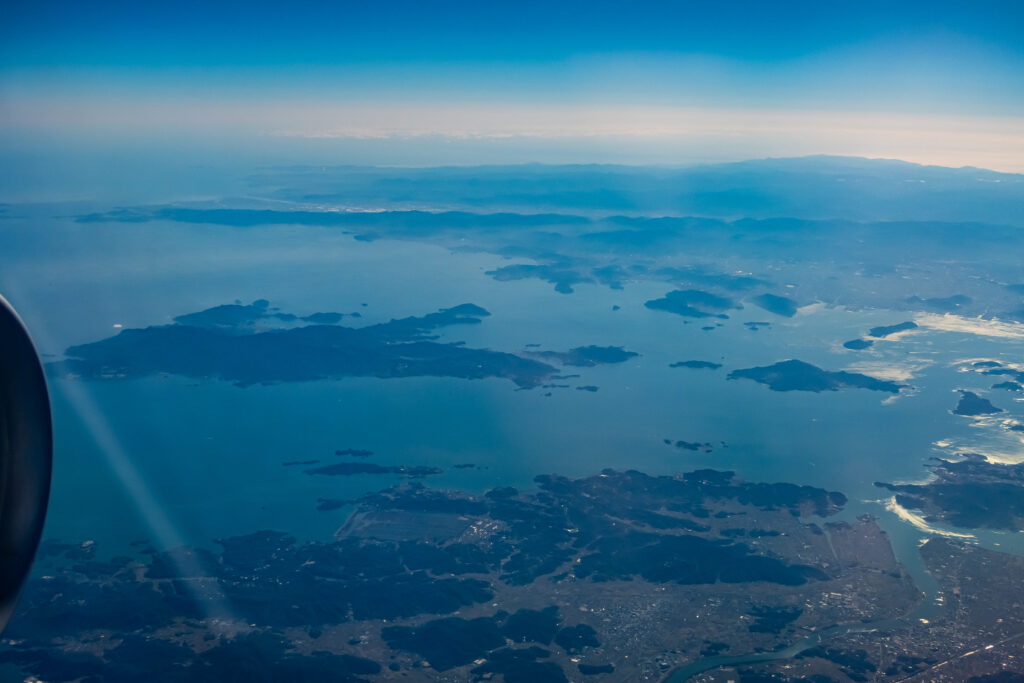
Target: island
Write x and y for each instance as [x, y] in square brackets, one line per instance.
[883, 331]
[241, 316]
[779, 305]
[587, 356]
[690, 445]
[972, 405]
[696, 364]
[1014, 372]
[693, 303]
[858, 344]
[796, 375]
[247, 356]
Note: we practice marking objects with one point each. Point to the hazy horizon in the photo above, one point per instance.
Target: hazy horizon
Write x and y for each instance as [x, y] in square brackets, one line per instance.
[407, 84]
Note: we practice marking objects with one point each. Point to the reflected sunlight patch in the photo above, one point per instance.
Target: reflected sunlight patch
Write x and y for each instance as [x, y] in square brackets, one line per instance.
[893, 372]
[996, 442]
[811, 309]
[918, 521]
[992, 327]
[977, 364]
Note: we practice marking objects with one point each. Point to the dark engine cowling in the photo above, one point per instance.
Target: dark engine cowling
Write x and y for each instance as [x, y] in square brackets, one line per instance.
[26, 456]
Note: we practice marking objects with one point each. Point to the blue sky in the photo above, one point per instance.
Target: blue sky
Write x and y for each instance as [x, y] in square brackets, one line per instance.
[939, 82]
[195, 33]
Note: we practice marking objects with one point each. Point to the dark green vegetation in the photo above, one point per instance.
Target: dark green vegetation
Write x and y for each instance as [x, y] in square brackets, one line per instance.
[447, 643]
[532, 626]
[689, 560]
[549, 528]
[224, 347]
[595, 669]
[971, 493]
[883, 331]
[451, 642]
[972, 405]
[521, 666]
[795, 375]
[577, 638]
[256, 656]
[773, 619]
[618, 526]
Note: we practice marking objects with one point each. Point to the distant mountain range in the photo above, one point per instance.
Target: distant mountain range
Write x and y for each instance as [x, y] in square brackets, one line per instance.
[812, 188]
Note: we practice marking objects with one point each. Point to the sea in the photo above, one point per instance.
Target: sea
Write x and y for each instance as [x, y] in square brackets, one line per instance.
[167, 460]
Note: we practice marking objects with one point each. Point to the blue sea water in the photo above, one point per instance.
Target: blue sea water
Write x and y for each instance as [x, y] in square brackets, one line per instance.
[179, 460]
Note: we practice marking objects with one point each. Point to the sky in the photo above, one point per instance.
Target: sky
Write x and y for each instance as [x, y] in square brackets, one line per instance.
[420, 83]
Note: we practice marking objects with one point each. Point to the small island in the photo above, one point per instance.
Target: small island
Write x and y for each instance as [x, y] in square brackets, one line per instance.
[992, 367]
[588, 356]
[690, 445]
[696, 364]
[796, 375]
[883, 331]
[779, 305]
[693, 303]
[858, 344]
[220, 343]
[972, 405]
